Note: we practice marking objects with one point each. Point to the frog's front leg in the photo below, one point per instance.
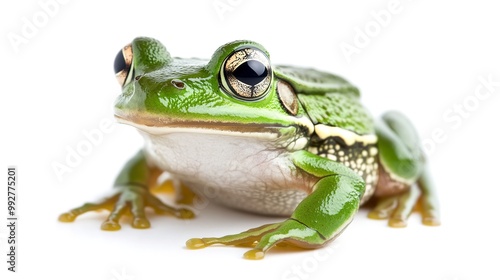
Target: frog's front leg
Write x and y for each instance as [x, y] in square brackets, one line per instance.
[403, 176]
[319, 218]
[132, 195]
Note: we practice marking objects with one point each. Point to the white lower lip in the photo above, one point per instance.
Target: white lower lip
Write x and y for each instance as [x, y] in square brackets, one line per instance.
[161, 130]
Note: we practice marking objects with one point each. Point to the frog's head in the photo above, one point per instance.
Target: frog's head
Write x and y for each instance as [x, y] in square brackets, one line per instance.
[234, 92]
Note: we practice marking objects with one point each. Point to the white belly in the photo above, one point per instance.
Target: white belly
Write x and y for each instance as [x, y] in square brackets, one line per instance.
[247, 173]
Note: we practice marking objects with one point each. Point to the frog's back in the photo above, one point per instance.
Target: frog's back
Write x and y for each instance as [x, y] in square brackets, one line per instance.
[343, 128]
[328, 99]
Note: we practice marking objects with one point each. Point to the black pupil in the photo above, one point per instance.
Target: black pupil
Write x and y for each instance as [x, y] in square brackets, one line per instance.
[251, 72]
[119, 62]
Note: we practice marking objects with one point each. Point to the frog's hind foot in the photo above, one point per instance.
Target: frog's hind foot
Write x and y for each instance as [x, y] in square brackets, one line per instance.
[264, 238]
[244, 239]
[396, 208]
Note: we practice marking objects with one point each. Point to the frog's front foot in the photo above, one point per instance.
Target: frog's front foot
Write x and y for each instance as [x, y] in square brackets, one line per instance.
[265, 237]
[127, 200]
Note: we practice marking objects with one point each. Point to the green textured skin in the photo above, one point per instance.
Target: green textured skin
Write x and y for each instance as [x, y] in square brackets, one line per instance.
[338, 110]
[149, 55]
[399, 146]
[328, 99]
[312, 81]
[136, 171]
[336, 196]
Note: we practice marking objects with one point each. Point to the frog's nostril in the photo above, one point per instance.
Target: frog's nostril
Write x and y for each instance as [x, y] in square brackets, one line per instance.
[178, 84]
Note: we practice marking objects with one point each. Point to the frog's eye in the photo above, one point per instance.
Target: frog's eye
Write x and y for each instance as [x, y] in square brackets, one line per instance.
[123, 65]
[246, 74]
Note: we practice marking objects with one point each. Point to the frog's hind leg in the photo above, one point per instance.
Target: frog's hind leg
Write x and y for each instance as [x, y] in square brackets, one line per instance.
[403, 176]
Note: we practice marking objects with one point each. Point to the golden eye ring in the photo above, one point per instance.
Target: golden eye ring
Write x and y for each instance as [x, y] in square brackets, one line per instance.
[123, 65]
[246, 74]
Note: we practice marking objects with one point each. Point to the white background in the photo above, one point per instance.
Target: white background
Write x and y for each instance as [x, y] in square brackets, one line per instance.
[427, 59]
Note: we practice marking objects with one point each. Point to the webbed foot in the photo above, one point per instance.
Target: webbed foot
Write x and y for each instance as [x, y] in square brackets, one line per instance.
[264, 238]
[398, 208]
[131, 200]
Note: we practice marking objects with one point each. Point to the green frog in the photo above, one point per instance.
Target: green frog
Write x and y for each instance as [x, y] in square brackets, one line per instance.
[269, 139]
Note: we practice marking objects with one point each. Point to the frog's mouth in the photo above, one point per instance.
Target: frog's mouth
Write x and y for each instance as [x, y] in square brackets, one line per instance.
[160, 126]
[165, 127]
